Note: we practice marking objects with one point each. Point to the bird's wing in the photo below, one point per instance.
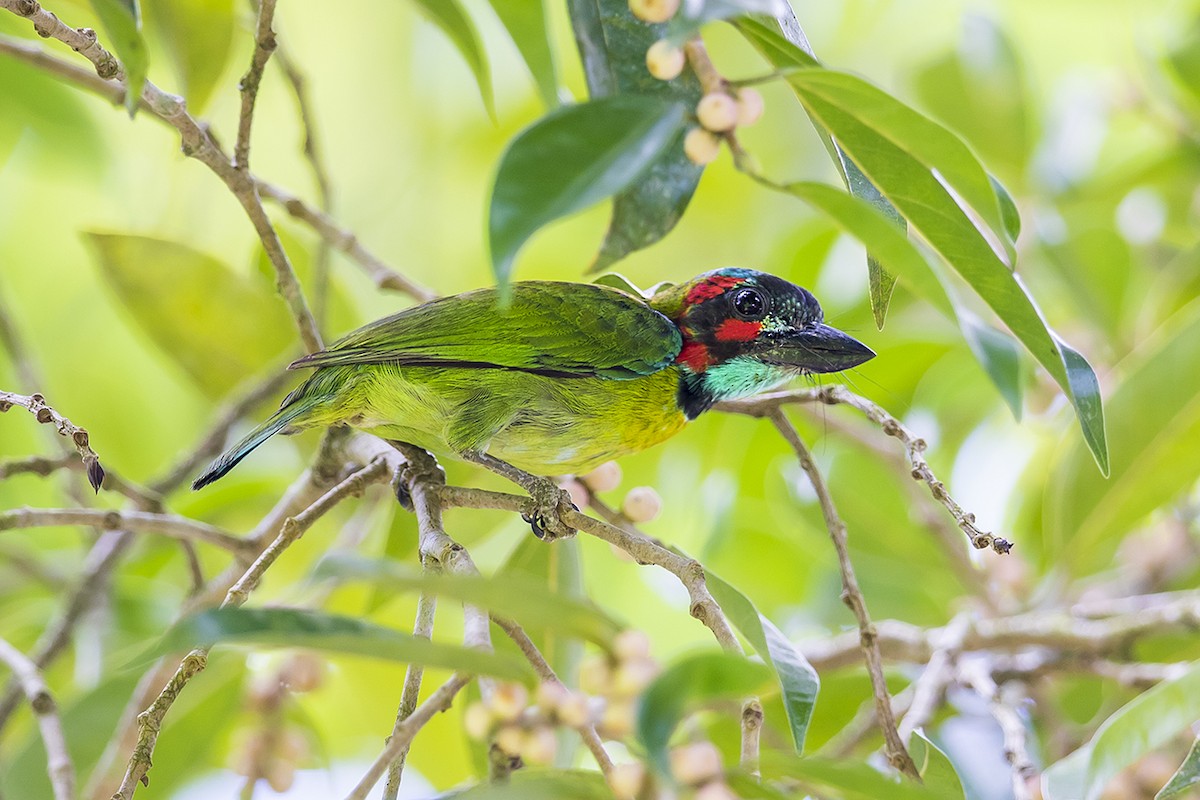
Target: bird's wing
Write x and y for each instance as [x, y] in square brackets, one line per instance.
[556, 329]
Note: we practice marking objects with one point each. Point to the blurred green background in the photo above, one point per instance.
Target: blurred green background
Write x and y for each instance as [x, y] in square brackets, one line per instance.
[1085, 110]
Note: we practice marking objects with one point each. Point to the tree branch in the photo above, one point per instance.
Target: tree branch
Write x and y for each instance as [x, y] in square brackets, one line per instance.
[171, 525]
[36, 405]
[264, 46]
[58, 759]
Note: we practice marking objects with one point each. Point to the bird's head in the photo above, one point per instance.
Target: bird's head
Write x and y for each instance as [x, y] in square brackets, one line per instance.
[745, 331]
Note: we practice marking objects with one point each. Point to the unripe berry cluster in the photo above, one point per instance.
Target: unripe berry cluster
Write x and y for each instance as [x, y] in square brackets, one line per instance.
[695, 766]
[641, 503]
[525, 730]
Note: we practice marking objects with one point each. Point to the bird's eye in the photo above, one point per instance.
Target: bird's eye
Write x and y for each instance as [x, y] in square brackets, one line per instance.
[749, 303]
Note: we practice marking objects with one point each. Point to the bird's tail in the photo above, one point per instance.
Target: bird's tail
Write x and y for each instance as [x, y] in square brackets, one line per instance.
[294, 406]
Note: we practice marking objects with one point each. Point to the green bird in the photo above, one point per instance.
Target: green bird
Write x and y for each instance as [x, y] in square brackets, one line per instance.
[564, 378]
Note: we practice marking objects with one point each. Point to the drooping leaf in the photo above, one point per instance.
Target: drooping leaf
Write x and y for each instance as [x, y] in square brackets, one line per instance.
[218, 326]
[797, 679]
[691, 17]
[451, 17]
[613, 44]
[544, 785]
[1143, 724]
[1186, 778]
[925, 172]
[935, 767]
[570, 159]
[685, 684]
[533, 606]
[289, 627]
[525, 21]
[198, 36]
[996, 352]
[781, 40]
[122, 21]
[1156, 421]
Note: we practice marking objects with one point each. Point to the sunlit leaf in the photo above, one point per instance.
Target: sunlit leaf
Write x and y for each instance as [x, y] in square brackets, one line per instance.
[122, 21]
[1155, 413]
[218, 326]
[450, 16]
[1145, 723]
[525, 21]
[288, 627]
[613, 44]
[798, 680]
[849, 780]
[692, 681]
[531, 605]
[935, 768]
[198, 36]
[1186, 778]
[570, 159]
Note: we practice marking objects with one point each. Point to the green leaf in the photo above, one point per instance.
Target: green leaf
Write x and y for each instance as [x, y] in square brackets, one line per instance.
[613, 44]
[1155, 413]
[1145, 723]
[525, 21]
[544, 785]
[782, 42]
[900, 151]
[692, 681]
[288, 627]
[995, 351]
[122, 21]
[198, 36]
[692, 16]
[570, 159]
[848, 780]
[218, 326]
[616, 280]
[935, 767]
[797, 679]
[533, 606]
[454, 22]
[1185, 778]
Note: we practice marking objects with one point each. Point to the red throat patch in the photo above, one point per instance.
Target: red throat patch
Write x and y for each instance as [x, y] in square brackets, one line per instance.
[738, 330]
[694, 356]
[710, 288]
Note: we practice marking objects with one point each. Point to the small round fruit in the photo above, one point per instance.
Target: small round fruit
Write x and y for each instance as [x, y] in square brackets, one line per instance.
[701, 146]
[539, 746]
[633, 676]
[749, 106]
[508, 701]
[626, 780]
[664, 60]
[617, 721]
[478, 721]
[574, 711]
[604, 477]
[654, 10]
[595, 675]
[717, 111]
[642, 504]
[695, 763]
[510, 739]
[715, 791]
[631, 643]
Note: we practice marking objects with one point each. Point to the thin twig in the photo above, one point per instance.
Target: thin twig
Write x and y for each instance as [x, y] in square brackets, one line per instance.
[58, 759]
[766, 405]
[45, 414]
[752, 722]
[930, 689]
[172, 525]
[852, 596]
[1002, 702]
[423, 628]
[264, 45]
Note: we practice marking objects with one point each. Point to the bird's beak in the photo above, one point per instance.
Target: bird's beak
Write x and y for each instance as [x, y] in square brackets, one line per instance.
[817, 348]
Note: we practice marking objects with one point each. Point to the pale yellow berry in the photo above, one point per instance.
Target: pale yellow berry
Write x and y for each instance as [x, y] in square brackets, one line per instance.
[633, 676]
[749, 106]
[281, 775]
[642, 504]
[510, 739]
[617, 721]
[573, 711]
[579, 493]
[303, 672]
[604, 477]
[595, 676]
[654, 10]
[664, 60]
[538, 746]
[477, 720]
[630, 644]
[508, 701]
[693, 764]
[717, 111]
[626, 780]
[716, 790]
[551, 695]
[701, 146]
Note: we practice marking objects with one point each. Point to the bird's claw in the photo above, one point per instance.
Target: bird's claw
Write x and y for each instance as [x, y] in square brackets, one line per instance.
[545, 519]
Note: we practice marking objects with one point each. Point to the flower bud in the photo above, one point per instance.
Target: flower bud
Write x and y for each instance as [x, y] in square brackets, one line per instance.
[508, 701]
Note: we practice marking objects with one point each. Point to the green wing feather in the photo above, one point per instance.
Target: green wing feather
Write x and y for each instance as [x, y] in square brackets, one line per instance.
[558, 329]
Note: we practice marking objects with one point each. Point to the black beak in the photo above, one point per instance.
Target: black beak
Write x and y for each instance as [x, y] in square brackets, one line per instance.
[817, 348]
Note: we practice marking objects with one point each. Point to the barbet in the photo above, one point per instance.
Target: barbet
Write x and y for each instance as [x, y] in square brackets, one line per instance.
[564, 378]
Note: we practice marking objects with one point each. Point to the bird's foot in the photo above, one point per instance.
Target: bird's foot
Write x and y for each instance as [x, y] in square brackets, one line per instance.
[549, 504]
